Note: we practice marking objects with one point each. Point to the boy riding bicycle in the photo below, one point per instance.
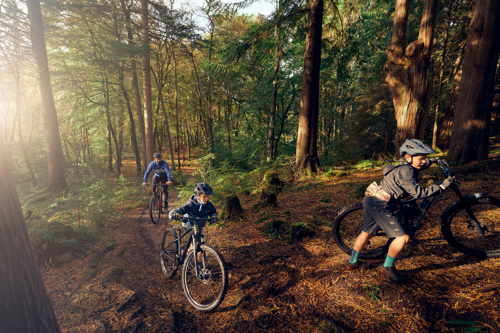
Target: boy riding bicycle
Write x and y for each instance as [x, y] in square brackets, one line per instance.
[161, 175]
[381, 201]
[198, 206]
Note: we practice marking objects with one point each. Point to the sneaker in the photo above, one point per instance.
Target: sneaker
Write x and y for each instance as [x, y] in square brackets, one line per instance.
[393, 274]
[358, 265]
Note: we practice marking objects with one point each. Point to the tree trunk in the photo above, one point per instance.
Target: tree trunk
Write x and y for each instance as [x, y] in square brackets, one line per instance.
[307, 150]
[176, 90]
[272, 113]
[228, 120]
[146, 81]
[55, 157]
[105, 87]
[137, 93]
[24, 304]
[132, 122]
[470, 133]
[407, 70]
[440, 87]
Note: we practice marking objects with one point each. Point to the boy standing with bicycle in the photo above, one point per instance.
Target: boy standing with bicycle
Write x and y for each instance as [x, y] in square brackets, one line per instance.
[381, 201]
[161, 175]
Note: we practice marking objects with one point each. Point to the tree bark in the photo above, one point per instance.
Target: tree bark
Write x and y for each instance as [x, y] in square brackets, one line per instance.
[272, 113]
[470, 133]
[407, 70]
[176, 91]
[55, 157]
[307, 150]
[146, 81]
[24, 304]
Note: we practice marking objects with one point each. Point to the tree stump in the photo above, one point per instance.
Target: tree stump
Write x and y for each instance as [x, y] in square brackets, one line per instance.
[232, 207]
[271, 186]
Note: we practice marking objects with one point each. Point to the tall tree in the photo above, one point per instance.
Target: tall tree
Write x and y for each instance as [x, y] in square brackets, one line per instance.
[307, 141]
[55, 157]
[146, 81]
[24, 303]
[407, 70]
[470, 134]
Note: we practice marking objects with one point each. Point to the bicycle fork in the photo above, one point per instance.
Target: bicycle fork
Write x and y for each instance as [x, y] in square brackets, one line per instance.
[468, 209]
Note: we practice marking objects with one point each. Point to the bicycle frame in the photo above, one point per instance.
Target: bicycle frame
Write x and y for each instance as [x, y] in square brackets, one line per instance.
[429, 202]
[195, 239]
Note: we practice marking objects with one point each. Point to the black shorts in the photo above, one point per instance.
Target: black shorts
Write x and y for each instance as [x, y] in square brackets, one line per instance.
[157, 180]
[380, 215]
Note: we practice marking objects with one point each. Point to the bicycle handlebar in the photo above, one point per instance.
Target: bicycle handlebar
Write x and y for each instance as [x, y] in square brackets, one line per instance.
[446, 168]
[198, 219]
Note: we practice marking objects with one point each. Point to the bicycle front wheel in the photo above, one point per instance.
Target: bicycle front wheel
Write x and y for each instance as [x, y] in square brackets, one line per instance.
[155, 209]
[460, 232]
[347, 227]
[168, 253]
[206, 291]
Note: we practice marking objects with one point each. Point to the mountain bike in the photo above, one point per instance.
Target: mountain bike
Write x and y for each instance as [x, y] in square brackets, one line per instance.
[470, 224]
[204, 274]
[155, 205]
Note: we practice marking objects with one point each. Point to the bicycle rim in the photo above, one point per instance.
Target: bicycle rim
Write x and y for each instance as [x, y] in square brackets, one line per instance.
[347, 227]
[155, 209]
[207, 291]
[168, 253]
[463, 235]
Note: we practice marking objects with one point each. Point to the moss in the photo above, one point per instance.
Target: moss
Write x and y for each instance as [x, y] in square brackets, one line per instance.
[300, 230]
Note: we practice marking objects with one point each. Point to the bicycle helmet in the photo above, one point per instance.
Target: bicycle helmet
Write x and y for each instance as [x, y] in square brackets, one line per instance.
[415, 147]
[203, 188]
[157, 155]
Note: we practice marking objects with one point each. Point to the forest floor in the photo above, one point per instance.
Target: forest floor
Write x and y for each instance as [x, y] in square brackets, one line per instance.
[281, 286]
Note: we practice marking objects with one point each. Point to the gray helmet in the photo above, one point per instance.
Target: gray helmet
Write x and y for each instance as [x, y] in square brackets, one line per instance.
[203, 188]
[416, 147]
[157, 155]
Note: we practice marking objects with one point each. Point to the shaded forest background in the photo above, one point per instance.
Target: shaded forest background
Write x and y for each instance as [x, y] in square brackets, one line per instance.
[88, 85]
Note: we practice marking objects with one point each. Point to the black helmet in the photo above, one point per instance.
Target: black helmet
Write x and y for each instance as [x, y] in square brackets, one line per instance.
[157, 155]
[415, 147]
[203, 188]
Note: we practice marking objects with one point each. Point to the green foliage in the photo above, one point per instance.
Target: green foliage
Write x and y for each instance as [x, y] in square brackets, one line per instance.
[300, 230]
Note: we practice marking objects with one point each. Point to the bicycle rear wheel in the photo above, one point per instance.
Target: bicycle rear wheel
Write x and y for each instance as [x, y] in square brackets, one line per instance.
[461, 233]
[207, 291]
[168, 253]
[155, 209]
[347, 227]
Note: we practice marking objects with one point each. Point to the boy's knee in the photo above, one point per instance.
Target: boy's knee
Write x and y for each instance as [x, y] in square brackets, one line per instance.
[405, 238]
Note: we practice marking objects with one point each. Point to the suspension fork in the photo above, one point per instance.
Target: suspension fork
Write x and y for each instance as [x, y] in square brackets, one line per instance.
[468, 209]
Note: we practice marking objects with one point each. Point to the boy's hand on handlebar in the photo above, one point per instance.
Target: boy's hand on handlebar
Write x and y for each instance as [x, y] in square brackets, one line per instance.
[433, 160]
[214, 220]
[176, 216]
[447, 182]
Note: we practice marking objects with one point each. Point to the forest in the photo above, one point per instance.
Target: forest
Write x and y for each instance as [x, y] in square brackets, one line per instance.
[289, 115]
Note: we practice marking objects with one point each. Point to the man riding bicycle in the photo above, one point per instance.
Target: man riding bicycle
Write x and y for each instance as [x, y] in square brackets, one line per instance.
[161, 175]
[381, 201]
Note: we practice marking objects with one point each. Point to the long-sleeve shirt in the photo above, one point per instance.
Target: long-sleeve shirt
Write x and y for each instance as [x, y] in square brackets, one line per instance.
[162, 169]
[402, 179]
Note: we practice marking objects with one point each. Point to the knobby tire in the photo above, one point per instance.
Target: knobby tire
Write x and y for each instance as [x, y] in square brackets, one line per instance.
[347, 227]
[168, 253]
[205, 293]
[155, 209]
[461, 233]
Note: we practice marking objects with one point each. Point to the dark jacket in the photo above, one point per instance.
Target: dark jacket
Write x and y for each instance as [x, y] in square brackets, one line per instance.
[401, 180]
[194, 208]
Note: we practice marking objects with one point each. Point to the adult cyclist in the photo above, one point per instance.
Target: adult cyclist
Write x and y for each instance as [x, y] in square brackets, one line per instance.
[162, 175]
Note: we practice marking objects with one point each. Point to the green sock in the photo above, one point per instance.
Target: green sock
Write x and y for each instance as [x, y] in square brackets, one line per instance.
[389, 261]
[354, 257]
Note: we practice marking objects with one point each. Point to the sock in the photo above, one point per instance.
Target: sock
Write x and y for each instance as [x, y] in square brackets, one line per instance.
[354, 257]
[389, 261]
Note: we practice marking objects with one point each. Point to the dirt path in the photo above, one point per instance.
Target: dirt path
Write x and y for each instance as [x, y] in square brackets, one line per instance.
[276, 285]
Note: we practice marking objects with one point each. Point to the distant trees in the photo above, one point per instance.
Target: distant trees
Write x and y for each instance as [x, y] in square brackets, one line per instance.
[24, 304]
[470, 135]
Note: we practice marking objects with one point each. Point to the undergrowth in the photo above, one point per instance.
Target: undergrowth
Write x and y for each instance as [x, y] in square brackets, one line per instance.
[61, 222]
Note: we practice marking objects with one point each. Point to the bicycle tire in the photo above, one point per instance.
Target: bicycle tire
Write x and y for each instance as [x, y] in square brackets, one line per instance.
[168, 253]
[205, 293]
[155, 209]
[347, 227]
[460, 232]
